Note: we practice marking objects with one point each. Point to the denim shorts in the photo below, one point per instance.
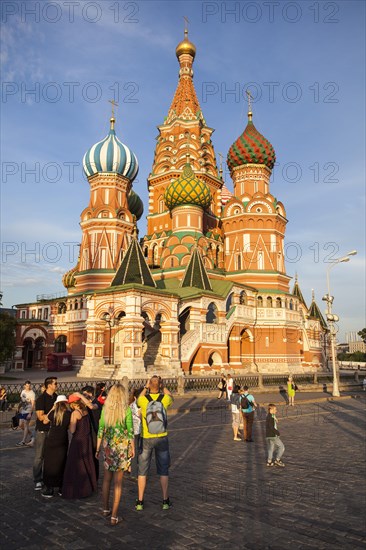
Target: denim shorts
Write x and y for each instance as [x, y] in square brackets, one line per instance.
[162, 455]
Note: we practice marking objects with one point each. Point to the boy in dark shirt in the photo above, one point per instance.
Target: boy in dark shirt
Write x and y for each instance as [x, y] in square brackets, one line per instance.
[274, 443]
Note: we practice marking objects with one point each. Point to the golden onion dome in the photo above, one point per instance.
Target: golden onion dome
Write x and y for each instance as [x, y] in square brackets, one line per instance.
[68, 279]
[186, 46]
[187, 190]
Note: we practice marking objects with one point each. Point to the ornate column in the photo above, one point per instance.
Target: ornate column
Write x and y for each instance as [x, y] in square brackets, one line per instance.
[169, 347]
[128, 347]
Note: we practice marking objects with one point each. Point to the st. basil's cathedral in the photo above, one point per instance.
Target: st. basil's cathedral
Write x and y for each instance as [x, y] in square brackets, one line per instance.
[205, 290]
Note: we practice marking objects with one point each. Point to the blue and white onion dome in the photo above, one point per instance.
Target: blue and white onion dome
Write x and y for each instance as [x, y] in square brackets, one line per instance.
[111, 155]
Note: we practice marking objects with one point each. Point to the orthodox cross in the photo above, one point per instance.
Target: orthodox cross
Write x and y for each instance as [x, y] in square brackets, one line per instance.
[250, 97]
[221, 157]
[114, 104]
[186, 21]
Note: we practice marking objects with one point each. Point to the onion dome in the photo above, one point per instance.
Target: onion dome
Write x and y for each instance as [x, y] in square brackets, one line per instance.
[187, 189]
[68, 279]
[135, 204]
[251, 148]
[111, 155]
[186, 46]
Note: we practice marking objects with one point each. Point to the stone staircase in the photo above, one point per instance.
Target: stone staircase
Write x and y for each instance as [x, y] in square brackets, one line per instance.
[154, 362]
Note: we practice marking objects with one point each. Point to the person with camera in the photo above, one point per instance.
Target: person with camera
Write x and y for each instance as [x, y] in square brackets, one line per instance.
[154, 400]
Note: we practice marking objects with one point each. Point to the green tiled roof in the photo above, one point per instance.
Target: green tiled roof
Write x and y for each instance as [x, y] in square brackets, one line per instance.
[196, 274]
[134, 268]
[297, 292]
[315, 313]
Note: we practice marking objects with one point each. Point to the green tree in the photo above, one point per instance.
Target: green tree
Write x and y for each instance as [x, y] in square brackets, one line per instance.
[7, 336]
[362, 333]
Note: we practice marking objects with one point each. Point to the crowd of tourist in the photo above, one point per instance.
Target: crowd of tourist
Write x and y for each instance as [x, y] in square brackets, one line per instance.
[74, 433]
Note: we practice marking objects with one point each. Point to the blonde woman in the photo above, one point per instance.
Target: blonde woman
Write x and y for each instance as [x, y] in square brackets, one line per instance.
[116, 436]
[56, 445]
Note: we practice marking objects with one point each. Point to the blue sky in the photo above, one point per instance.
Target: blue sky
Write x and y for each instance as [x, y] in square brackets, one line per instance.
[303, 62]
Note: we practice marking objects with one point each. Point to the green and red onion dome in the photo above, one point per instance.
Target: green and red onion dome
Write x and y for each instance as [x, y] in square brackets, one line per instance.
[251, 148]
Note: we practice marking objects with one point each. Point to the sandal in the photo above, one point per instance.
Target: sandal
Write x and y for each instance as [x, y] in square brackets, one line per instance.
[106, 513]
[115, 521]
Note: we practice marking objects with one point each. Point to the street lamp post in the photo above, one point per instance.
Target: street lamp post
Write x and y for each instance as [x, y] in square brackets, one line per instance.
[332, 318]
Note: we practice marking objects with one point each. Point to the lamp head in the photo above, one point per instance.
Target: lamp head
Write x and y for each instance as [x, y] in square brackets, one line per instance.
[352, 253]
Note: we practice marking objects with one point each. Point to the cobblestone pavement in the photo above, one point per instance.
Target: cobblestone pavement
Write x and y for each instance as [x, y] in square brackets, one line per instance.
[223, 494]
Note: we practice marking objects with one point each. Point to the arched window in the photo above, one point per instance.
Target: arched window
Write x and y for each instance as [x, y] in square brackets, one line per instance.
[146, 251]
[61, 308]
[260, 301]
[291, 304]
[260, 260]
[211, 315]
[278, 302]
[161, 204]
[155, 255]
[229, 301]
[217, 255]
[238, 262]
[60, 344]
[243, 298]
[269, 301]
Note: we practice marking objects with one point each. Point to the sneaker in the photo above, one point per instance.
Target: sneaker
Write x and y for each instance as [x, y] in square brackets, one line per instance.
[38, 486]
[139, 505]
[20, 444]
[48, 493]
[270, 463]
[166, 504]
[279, 462]
[30, 443]
[237, 439]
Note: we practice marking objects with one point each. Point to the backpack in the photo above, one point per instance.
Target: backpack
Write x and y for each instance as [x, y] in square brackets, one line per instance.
[245, 403]
[156, 419]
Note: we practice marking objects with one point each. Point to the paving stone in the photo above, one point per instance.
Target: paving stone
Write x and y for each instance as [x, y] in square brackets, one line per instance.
[221, 491]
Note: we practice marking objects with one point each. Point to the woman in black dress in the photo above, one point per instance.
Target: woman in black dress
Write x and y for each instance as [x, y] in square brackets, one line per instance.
[56, 445]
[80, 480]
[222, 387]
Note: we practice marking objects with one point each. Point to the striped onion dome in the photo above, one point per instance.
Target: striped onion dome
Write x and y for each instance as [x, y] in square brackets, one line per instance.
[251, 148]
[135, 204]
[111, 155]
[187, 189]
